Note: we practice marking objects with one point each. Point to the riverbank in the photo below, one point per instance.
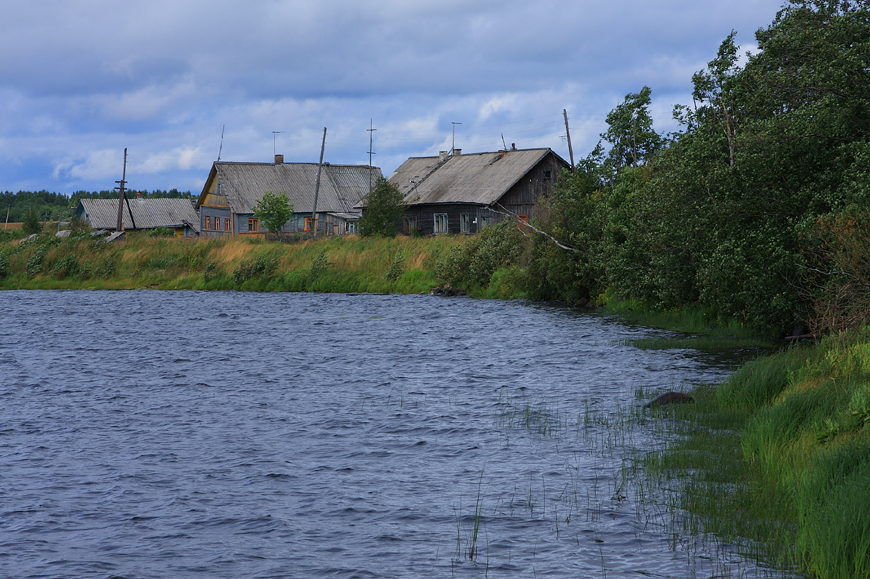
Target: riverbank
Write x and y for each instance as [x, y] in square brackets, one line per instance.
[787, 474]
[335, 264]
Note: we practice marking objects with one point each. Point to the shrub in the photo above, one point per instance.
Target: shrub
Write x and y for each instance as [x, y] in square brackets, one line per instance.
[384, 208]
[31, 223]
[262, 266]
[161, 232]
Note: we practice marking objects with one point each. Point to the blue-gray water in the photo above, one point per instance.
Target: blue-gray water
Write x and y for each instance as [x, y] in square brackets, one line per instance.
[191, 434]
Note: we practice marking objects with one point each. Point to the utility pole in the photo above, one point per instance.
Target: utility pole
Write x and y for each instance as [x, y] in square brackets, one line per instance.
[122, 183]
[568, 131]
[453, 146]
[317, 186]
[371, 131]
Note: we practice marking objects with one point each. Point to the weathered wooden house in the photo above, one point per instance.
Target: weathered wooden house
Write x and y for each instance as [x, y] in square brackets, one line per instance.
[139, 213]
[232, 190]
[463, 193]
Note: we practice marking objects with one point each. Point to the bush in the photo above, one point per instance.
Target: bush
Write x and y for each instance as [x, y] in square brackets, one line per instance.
[161, 232]
[384, 208]
[31, 223]
[262, 266]
[474, 262]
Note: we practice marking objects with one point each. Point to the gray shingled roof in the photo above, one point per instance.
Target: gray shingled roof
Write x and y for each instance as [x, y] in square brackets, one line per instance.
[341, 186]
[480, 178]
[147, 213]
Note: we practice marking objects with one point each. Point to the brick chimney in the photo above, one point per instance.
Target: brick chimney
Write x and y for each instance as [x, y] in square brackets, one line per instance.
[279, 159]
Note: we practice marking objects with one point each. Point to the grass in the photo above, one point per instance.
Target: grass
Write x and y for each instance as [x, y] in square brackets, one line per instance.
[335, 264]
[777, 459]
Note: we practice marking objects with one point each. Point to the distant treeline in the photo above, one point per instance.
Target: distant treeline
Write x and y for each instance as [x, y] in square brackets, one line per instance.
[59, 207]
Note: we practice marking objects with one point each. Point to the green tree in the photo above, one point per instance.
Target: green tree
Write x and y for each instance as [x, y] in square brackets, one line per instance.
[384, 208]
[273, 211]
[630, 134]
[31, 222]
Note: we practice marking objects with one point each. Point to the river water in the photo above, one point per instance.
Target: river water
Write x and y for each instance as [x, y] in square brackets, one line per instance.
[224, 434]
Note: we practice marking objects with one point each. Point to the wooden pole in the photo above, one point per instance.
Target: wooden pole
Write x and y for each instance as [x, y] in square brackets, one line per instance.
[317, 186]
[121, 196]
[568, 132]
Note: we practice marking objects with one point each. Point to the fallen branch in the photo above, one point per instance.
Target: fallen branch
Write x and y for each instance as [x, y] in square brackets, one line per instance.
[530, 226]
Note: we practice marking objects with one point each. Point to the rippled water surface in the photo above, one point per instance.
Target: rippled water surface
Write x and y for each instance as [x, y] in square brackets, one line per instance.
[189, 434]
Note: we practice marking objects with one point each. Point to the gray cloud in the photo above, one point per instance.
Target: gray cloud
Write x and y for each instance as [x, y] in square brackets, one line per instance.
[81, 79]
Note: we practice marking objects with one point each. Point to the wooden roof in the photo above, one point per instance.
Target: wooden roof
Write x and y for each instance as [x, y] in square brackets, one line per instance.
[146, 213]
[341, 186]
[477, 178]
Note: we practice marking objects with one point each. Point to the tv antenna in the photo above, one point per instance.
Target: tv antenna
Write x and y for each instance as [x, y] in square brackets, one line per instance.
[453, 147]
[274, 151]
[222, 143]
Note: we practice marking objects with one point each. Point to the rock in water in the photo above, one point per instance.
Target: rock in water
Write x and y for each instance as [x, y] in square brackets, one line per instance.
[670, 398]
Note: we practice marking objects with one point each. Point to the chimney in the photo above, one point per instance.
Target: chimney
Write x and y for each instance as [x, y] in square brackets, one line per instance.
[442, 155]
[513, 146]
[279, 159]
[457, 152]
[138, 195]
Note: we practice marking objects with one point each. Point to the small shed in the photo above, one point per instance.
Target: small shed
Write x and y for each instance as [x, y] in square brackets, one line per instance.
[138, 213]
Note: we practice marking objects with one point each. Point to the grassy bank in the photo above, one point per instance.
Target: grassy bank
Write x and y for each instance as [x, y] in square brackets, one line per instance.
[335, 264]
[777, 459]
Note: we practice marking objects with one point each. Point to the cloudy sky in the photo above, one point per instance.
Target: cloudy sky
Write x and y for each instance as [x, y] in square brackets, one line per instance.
[80, 80]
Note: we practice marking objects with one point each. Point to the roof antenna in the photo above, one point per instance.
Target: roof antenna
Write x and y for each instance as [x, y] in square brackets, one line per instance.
[274, 150]
[222, 143]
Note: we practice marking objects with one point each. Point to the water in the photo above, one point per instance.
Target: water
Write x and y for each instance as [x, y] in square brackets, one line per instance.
[192, 434]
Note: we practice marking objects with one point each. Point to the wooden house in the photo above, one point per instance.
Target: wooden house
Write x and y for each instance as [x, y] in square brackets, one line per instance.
[139, 213]
[232, 190]
[463, 193]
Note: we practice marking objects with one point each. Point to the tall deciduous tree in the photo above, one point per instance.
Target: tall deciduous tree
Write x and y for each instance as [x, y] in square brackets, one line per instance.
[384, 208]
[273, 211]
[630, 131]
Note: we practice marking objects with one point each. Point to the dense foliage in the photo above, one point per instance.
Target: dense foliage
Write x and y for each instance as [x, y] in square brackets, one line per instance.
[723, 215]
[384, 208]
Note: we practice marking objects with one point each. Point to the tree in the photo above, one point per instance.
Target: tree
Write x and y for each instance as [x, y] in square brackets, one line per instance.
[273, 211]
[31, 223]
[384, 207]
[630, 132]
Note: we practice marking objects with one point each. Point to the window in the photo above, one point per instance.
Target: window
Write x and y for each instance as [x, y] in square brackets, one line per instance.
[253, 225]
[441, 223]
[226, 224]
[464, 223]
[523, 218]
[350, 227]
[207, 222]
[410, 225]
[308, 222]
[217, 223]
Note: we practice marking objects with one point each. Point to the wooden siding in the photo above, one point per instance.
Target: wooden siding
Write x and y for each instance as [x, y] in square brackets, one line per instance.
[478, 215]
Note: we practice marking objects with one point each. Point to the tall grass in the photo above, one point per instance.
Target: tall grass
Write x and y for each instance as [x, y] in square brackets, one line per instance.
[777, 459]
[335, 264]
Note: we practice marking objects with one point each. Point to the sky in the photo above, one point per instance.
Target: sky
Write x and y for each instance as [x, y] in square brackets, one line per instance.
[180, 82]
